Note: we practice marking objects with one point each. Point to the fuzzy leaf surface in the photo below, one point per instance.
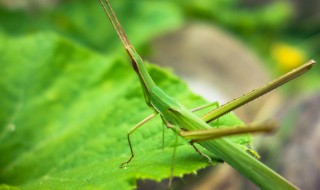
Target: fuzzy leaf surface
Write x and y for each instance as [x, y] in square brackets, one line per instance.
[64, 114]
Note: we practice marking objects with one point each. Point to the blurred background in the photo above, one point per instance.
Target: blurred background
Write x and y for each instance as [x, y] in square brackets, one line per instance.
[222, 49]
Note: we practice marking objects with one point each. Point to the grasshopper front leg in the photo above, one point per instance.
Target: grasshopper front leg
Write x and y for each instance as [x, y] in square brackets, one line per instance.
[133, 129]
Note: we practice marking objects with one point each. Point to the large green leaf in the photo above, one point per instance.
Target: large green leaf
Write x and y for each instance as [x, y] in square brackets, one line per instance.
[64, 113]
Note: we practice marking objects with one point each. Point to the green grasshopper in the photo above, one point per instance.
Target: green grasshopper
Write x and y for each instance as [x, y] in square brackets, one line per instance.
[189, 126]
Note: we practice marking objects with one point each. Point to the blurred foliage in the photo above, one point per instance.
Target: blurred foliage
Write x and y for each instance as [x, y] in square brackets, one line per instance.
[85, 22]
[254, 24]
[260, 26]
[145, 19]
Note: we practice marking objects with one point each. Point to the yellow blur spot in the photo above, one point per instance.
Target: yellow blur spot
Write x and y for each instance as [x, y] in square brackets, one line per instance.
[287, 56]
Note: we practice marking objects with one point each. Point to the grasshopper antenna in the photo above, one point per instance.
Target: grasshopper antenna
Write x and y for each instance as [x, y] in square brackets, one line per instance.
[136, 61]
[116, 24]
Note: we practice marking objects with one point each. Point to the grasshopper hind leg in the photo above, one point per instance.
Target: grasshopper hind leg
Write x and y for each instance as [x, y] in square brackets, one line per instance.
[172, 163]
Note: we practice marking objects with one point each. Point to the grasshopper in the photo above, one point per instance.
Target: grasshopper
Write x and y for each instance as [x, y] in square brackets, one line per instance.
[189, 126]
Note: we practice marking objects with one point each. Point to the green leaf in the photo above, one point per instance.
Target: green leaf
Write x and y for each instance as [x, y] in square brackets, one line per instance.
[8, 187]
[64, 114]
